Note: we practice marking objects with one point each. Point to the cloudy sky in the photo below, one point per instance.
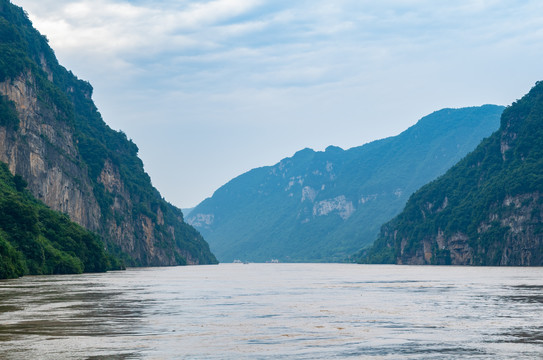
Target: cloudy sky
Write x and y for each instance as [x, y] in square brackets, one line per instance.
[209, 89]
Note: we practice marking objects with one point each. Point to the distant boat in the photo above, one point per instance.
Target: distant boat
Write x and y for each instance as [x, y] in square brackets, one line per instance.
[274, 261]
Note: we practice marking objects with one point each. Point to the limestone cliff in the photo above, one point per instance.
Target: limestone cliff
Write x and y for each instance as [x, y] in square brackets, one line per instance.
[42, 150]
[74, 162]
[486, 210]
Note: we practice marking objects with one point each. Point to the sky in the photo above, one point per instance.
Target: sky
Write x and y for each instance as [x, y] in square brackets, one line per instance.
[210, 89]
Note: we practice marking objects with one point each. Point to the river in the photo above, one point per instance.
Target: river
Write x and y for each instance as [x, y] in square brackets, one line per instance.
[276, 311]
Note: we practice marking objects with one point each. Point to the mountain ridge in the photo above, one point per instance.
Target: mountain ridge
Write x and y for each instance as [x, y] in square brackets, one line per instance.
[315, 206]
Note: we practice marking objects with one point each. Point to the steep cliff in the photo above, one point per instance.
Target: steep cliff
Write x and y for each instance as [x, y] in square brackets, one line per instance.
[57, 141]
[35, 240]
[486, 210]
[324, 206]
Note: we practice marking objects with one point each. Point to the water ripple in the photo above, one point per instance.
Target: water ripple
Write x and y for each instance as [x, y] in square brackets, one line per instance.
[276, 311]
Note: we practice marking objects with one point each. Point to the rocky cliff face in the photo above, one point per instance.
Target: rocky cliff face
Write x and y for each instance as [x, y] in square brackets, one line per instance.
[42, 150]
[75, 163]
[486, 210]
[518, 244]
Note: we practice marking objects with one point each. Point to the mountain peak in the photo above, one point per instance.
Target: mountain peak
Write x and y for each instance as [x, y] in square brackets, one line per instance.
[333, 149]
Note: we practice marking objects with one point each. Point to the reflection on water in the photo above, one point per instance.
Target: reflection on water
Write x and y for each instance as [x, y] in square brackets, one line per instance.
[276, 311]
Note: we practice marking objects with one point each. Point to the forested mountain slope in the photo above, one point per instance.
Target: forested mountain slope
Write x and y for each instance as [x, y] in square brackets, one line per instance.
[35, 240]
[52, 135]
[324, 206]
[486, 210]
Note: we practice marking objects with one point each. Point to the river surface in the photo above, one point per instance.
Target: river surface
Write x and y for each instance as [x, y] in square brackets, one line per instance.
[276, 311]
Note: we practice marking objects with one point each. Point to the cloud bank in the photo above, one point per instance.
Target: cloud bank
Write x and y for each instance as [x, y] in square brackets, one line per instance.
[209, 89]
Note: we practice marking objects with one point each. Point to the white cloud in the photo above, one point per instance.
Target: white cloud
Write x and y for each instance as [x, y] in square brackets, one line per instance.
[287, 40]
[255, 69]
[209, 13]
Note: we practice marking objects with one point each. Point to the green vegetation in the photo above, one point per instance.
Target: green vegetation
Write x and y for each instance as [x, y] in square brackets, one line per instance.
[13, 59]
[471, 197]
[325, 206]
[35, 240]
[25, 54]
[8, 114]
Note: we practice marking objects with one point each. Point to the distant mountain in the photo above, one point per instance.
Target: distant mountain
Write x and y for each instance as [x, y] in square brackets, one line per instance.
[187, 211]
[486, 210]
[325, 206]
[52, 135]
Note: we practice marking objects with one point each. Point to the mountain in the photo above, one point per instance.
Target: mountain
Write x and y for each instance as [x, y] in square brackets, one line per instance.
[325, 206]
[187, 211]
[486, 210]
[37, 240]
[52, 135]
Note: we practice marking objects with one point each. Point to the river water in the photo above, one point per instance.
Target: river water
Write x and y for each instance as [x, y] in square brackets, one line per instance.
[276, 311]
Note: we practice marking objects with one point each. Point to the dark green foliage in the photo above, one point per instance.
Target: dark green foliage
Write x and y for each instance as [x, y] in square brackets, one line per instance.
[20, 183]
[12, 263]
[36, 240]
[262, 214]
[24, 51]
[509, 164]
[13, 59]
[8, 114]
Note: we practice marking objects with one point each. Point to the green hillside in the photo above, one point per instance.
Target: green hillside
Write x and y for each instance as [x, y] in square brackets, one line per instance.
[34, 240]
[486, 210]
[325, 206]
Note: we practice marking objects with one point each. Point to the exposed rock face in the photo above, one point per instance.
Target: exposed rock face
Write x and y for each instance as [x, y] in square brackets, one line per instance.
[42, 150]
[75, 163]
[520, 246]
[486, 210]
[339, 204]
